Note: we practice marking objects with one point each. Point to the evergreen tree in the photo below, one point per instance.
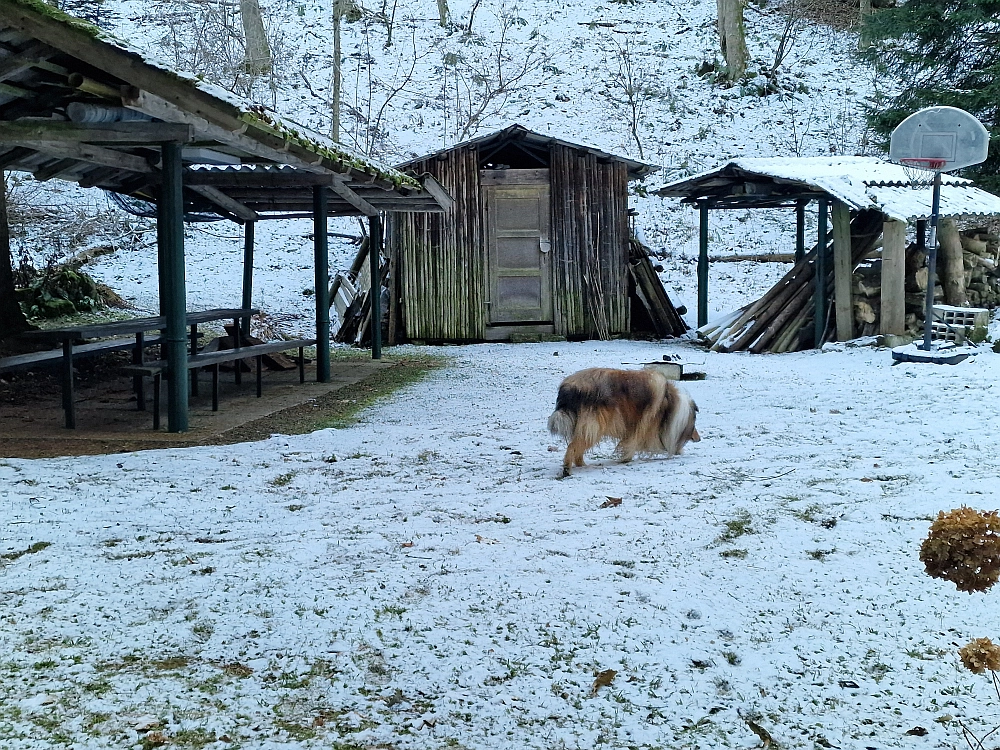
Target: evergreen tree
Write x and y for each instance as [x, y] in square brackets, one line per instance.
[938, 53]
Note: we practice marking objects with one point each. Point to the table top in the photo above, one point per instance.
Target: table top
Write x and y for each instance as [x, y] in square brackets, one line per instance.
[139, 325]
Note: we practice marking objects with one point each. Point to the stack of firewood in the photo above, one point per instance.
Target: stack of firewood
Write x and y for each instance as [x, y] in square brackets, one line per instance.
[782, 320]
[979, 287]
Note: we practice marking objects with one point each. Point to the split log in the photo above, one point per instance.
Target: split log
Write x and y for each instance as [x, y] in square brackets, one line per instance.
[864, 312]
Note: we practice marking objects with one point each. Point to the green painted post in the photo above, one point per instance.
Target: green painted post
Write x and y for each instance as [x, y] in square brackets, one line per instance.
[800, 229]
[248, 237]
[322, 263]
[820, 277]
[702, 264]
[374, 264]
[170, 219]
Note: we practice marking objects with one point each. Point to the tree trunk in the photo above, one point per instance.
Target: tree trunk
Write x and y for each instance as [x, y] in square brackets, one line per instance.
[732, 38]
[12, 320]
[866, 10]
[952, 266]
[258, 51]
[338, 17]
[444, 15]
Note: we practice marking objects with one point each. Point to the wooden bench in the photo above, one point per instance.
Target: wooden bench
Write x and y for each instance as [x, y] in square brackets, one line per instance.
[55, 356]
[157, 368]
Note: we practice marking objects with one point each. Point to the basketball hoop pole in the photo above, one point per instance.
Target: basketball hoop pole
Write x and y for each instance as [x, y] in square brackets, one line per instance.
[932, 246]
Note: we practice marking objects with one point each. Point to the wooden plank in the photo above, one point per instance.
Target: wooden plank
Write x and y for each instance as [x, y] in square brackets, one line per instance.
[26, 58]
[340, 188]
[843, 269]
[104, 157]
[35, 131]
[222, 200]
[489, 177]
[893, 313]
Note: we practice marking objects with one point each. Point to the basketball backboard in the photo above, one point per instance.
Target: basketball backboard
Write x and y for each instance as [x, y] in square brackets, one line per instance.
[940, 133]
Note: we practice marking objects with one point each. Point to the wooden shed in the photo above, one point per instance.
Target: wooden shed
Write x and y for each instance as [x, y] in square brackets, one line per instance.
[536, 242]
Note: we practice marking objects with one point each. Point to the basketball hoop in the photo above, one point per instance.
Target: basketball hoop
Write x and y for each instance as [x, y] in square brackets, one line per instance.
[920, 170]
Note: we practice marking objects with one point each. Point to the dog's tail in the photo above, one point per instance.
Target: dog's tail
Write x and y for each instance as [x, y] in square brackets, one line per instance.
[562, 423]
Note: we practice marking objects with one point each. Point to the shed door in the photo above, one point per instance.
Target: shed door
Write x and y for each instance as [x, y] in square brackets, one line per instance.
[519, 254]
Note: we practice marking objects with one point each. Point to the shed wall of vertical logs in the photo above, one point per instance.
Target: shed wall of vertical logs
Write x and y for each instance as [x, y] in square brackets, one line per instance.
[441, 265]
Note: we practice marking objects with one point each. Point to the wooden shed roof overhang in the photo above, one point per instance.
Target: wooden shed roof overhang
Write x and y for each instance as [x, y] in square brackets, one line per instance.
[534, 147]
[79, 105]
[82, 106]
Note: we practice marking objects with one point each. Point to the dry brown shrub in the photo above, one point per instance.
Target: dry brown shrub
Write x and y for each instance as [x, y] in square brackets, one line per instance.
[963, 546]
[979, 655]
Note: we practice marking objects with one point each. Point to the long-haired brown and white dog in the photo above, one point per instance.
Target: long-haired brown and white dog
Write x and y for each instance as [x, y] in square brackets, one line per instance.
[644, 411]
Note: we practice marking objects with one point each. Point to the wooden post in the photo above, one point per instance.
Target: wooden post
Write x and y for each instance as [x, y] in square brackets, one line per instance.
[248, 238]
[800, 229]
[321, 252]
[843, 271]
[820, 274]
[893, 311]
[170, 224]
[702, 264]
[375, 286]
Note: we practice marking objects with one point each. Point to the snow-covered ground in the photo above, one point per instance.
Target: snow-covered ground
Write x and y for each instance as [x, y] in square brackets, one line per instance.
[423, 580]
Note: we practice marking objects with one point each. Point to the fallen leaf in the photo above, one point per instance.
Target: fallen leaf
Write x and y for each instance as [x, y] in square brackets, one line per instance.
[917, 731]
[407, 544]
[611, 502]
[850, 684]
[867, 479]
[604, 679]
[485, 540]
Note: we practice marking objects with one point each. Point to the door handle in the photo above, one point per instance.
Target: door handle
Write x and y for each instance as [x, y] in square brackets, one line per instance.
[544, 245]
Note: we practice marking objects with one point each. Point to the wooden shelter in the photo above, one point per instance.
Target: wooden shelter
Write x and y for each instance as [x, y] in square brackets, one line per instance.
[78, 105]
[536, 242]
[862, 200]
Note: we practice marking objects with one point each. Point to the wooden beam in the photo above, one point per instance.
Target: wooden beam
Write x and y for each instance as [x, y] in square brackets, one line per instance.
[843, 271]
[224, 201]
[14, 156]
[341, 189]
[27, 58]
[438, 192]
[105, 157]
[55, 168]
[152, 133]
[893, 312]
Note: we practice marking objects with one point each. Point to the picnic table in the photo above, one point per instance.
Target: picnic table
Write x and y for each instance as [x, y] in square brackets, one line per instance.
[114, 336]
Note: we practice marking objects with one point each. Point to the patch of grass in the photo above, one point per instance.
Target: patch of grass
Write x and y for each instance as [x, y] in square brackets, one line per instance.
[132, 555]
[282, 480]
[734, 554]
[820, 554]
[33, 549]
[170, 663]
[194, 737]
[739, 525]
[294, 507]
[351, 400]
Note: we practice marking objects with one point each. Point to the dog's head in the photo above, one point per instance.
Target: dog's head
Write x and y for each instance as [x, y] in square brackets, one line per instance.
[678, 425]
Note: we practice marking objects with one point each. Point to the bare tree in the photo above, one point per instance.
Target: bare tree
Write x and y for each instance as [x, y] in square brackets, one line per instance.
[732, 37]
[483, 86]
[338, 56]
[258, 51]
[629, 87]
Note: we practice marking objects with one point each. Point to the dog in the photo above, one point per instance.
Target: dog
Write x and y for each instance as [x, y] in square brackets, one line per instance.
[644, 411]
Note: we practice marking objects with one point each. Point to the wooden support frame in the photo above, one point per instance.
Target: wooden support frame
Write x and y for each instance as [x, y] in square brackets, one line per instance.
[223, 201]
[322, 285]
[893, 310]
[820, 272]
[843, 271]
[132, 133]
[173, 299]
[800, 229]
[248, 248]
[702, 263]
[375, 244]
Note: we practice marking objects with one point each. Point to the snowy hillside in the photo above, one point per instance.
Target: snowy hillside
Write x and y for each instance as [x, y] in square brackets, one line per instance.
[556, 67]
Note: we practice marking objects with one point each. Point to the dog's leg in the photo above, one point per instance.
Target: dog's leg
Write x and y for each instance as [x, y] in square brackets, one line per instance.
[574, 455]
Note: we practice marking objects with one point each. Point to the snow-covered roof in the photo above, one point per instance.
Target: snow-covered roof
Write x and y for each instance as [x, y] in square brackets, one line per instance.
[862, 182]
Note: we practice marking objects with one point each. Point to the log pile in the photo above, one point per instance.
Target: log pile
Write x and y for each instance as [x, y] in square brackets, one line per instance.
[782, 320]
[980, 261]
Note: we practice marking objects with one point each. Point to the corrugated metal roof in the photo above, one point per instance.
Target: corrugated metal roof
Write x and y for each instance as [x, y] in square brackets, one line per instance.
[859, 181]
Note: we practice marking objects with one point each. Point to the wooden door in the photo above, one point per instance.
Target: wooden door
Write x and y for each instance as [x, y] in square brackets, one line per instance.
[518, 246]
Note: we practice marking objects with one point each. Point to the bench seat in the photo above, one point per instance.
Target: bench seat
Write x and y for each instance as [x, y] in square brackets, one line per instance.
[157, 368]
[55, 356]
